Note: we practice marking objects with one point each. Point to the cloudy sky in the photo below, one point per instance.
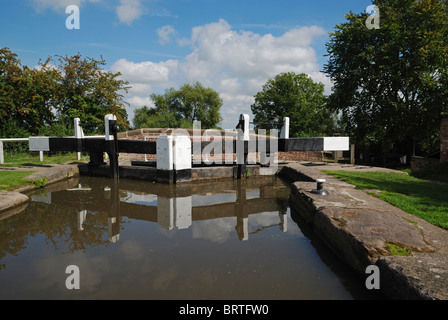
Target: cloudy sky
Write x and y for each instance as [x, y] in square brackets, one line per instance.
[231, 46]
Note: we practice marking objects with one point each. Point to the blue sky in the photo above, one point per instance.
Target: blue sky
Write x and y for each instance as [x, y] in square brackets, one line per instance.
[231, 46]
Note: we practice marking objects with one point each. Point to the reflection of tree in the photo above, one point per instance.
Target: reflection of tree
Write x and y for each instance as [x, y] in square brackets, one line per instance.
[58, 223]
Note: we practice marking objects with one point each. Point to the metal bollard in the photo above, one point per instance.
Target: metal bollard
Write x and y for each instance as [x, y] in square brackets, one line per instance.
[320, 188]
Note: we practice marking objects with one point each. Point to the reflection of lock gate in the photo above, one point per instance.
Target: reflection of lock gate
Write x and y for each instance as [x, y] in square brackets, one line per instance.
[174, 152]
[175, 207]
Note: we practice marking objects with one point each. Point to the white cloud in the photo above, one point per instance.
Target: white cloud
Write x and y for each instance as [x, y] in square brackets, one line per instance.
[140, 88]
[234, 63]
[148, 72]
[138, 102]
[57, 5]
[165, 34]
[129, 10]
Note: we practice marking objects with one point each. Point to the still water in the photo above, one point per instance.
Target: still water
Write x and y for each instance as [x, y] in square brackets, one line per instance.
[138, 240]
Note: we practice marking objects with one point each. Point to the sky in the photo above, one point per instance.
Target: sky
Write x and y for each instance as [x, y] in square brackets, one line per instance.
[231, 46]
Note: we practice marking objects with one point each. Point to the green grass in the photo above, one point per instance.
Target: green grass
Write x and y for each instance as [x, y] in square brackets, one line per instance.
[397, 250]
[10, 180]
[424, 199]
[27, 159]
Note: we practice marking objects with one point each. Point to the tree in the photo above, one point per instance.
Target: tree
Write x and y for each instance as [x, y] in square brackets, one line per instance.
[88, 92]
[48, 97]
[390, 83]
[10, 70]
[298, 97]
[179, 108]
[26, 95]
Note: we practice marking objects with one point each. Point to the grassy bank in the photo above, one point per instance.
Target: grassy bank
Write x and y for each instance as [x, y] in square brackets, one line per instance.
[27, 159]
[10, 180]
[425, 199]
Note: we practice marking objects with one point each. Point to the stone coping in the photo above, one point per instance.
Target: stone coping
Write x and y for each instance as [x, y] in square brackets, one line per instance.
[358, 226]
[45, 174]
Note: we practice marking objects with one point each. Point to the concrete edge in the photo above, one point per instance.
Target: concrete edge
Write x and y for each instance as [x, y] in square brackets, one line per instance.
[16, 200]
[402, 278]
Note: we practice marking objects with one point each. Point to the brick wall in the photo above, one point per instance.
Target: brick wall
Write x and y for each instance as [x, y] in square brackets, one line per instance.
[444, 140]
[153, 134]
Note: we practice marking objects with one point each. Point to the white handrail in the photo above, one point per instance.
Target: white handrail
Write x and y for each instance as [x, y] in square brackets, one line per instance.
[2, 156]
[14, 139]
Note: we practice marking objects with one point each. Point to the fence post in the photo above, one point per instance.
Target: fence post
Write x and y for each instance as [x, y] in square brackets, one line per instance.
[2, 157]
[79, 134]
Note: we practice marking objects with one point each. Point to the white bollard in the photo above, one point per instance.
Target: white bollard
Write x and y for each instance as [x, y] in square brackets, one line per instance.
[284, 134]
[181, 153]
[108, 117]
[164, 146]
[79, 134]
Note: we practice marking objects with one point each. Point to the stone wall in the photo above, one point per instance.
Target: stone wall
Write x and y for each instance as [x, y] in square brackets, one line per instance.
[420, 162]
[444, 140]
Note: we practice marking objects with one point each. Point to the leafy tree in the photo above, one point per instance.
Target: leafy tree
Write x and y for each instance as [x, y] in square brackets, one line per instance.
[298, 97]
[47, 98]
[391, 83]
[179, 108]
[26, 95]
[88, 92]
[10, 70]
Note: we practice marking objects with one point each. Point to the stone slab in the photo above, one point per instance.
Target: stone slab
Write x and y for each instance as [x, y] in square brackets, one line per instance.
[10, 200]
[358, 226]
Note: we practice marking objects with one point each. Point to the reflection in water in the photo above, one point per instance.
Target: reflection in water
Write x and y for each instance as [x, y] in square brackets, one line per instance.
[173, 207]
[131, 239]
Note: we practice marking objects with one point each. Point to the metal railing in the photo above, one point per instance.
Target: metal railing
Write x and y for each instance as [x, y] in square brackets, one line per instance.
[2, 155]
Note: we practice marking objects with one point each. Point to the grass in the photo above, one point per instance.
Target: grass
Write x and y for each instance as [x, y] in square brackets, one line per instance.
[10, 180]
[27, 159]
[397, 250]
[424, 199]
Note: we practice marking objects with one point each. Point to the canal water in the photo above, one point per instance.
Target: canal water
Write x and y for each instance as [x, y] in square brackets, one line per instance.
[136, 240]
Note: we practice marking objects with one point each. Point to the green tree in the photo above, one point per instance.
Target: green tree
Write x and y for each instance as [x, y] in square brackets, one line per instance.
[390, 83]
[179, 108]
[298, 97]
[89, 92]
[48, 97]
[26, 95]
[10, 72]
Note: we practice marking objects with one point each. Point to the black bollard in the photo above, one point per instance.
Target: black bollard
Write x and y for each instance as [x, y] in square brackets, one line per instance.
[320, 188]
